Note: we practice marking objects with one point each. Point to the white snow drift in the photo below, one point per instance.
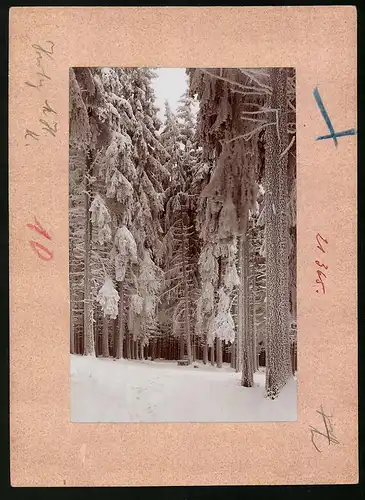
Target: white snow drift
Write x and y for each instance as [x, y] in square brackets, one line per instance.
[107, 390]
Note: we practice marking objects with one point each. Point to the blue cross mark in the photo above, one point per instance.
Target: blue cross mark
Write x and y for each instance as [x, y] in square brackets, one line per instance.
[333, 135]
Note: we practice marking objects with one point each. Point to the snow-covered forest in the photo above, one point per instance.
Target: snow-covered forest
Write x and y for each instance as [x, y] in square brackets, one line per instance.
[182, 249]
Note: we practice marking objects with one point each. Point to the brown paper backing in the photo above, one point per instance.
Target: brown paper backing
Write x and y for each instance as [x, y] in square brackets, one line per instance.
[46, 448]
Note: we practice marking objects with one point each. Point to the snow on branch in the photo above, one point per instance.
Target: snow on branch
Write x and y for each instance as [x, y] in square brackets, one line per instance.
[261, 110]
[223, 322]
[288, 147]
[126, 248]
[108, 298]
[248, 135]
[101, 219]
[251, 75]
[232, 82]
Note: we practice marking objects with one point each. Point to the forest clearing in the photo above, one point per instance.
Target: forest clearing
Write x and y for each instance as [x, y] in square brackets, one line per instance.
[182, 248]
[162, 391]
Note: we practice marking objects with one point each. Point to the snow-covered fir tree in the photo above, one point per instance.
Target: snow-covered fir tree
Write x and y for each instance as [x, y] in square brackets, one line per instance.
[236, 106]
[180, 241]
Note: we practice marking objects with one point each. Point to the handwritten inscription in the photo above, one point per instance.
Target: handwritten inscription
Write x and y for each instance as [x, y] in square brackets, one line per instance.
[41, 52]
[320, 274]
[333, 135]
[41, 250]
[46, 122]
[46, 125]
[326, 434]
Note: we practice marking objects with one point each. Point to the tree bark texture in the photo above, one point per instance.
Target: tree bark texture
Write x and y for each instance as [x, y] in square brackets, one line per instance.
[89, 347]
[278, 368]
[247, 364]
[105, 336]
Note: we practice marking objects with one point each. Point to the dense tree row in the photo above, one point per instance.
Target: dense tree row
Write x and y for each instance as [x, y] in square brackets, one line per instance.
[182, 233]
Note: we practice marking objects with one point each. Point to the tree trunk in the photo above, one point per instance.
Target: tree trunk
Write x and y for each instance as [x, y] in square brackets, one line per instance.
[254, 333]
[278, 369]
[72, 330]
[235, 318]
[247, 363]
[251, 295]
[159, 340]
[121, 333]
[187, 331]
[105, 336]
[115, 338]
[233, 354]
[153, 349]
[212, 354]
[182, 346]
[205, 351]
[96, 334]
[129, 339]
[219, 353]
[194, 348]
[253, 272]
[162, 351]
[293, 349]
[89, 346]
[165, 347]
[141, 355]
[137, 350]
[72, 320]
[240, 308]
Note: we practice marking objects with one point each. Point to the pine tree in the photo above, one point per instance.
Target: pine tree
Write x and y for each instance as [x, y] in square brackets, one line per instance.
[125, 256]
[179, 249]
[236, 107]
[207, 263]
[149, 156]
[129, 172]
[226, 139]
[118, 171]
[84, 100]
[76, 249]
[101, 263]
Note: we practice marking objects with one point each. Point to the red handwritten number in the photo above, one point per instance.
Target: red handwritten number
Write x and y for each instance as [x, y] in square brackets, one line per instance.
[321, 265]
[319, 243]
[319, 279]
[37, 227]
[43, 252]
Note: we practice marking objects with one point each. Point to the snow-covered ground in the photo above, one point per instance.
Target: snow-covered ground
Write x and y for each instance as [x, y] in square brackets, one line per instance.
[107, 390]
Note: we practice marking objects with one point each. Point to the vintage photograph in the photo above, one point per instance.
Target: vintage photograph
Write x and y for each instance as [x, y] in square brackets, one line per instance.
[182, 244]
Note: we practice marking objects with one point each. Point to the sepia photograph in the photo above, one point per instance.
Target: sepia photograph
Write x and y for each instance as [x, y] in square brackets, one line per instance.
[182, 244]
